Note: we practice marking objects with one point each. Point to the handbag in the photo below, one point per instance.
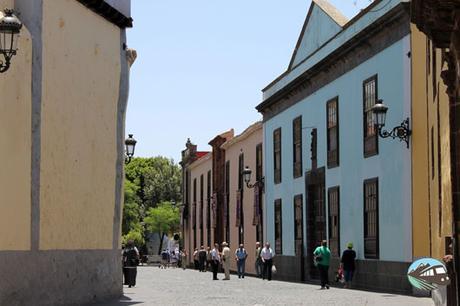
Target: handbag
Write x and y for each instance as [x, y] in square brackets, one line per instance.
[273, 269]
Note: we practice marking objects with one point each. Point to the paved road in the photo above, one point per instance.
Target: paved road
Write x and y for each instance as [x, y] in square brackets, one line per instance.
[177, 287]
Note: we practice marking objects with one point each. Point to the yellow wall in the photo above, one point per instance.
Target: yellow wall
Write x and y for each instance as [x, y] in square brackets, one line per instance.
[430, 203]
[81, 75]
[15, 141]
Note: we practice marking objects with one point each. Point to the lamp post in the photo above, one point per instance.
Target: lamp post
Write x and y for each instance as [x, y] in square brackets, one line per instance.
[10, 26]
[247, 179]
[130, 144]
[402, 131]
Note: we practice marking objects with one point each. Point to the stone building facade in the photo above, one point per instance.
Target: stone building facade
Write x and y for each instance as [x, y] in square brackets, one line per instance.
[62, 146]
[440, 22]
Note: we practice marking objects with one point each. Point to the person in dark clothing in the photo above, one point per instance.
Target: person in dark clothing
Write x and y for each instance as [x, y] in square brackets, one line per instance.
[202, 259]
[215, 261]
[347, 263]
[130, 262]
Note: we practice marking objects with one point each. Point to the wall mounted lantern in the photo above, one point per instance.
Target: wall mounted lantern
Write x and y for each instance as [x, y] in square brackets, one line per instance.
[10, 26]
[130, 144]
[247, 179]
[402, 132]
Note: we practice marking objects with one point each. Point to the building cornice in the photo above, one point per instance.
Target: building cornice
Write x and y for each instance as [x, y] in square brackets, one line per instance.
[108, 12]
[246, 133]
[435, 18]
[381, 34]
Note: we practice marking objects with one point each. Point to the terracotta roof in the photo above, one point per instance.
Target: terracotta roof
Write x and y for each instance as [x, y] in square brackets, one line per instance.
[200, 154]
[108, 12]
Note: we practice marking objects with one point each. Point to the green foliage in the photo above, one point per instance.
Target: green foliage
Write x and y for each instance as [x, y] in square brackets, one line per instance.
[156, 179]
[164, 218]
[136, 234]
[149, 182]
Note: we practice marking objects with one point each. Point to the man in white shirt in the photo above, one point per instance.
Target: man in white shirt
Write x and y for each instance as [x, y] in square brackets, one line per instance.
[226, 260]
[266, 255]
[215, 260]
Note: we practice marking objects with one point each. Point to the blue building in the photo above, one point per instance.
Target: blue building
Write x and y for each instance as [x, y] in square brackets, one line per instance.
[328, 175]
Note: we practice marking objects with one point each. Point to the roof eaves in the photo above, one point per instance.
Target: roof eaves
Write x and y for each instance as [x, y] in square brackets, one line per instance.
[108, 12]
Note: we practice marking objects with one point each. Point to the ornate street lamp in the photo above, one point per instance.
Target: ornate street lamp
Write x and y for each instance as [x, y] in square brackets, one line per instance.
[130, 144]
[247, 179]
[402, 132]
[10, 26]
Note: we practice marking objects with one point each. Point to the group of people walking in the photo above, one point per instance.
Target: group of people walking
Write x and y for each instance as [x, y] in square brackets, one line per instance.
[204, 259]
[211, 259]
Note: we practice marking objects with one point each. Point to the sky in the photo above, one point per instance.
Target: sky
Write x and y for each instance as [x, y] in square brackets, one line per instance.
[202, 64]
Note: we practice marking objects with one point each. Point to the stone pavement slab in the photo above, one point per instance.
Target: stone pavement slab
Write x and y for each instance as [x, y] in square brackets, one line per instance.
[188, 287]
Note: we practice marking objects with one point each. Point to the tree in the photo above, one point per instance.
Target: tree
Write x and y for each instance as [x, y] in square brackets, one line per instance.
[132, 212]
[163, 219]
[156, 179]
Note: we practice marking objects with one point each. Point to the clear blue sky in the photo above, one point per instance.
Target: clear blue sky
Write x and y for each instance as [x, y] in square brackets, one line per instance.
[202, 64]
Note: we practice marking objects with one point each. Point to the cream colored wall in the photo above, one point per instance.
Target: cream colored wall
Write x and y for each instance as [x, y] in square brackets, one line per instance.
[428, 234]
[200, 167]
[15, 145]
[232, 153]
[81, 76]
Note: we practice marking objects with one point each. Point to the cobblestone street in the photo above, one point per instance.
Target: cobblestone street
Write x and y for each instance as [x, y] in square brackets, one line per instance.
[177, 287]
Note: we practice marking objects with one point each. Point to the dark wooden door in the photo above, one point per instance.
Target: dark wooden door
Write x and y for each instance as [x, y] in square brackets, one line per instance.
[316, 215]
[298, 234]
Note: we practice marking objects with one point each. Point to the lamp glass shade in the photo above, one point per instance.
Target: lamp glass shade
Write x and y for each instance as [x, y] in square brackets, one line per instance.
[10, 26]
[130, 144]
[247, 175]
[380, 113]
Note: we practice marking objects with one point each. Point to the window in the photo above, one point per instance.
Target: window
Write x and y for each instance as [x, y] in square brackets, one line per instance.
[278, 228]
[259, 175]
[208, 210]
[371, 219]
[259, 162]
[226, 203]
[297, 142]
[240, 193]
[370, 133]
[201, 210]
[333, 199]
[277, 155]
[298, 224]
[332, 113]
[314, 148]
[194, 213]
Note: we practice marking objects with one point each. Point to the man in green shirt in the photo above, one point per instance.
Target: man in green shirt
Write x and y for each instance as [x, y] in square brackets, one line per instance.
[322, 257]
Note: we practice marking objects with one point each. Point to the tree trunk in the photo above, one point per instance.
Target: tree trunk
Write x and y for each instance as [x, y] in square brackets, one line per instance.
[161, 243]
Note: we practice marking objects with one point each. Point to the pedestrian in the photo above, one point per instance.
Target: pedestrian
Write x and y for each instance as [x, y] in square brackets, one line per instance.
[123, 263]
[322, 256]
[164, 259]
[258, 263]
[208, 258]
[347, 263]
[131, 261]
[195, 259]
[266, 255]
[240, 256]
[202, 259]
[226, 260]
[215, 260]
[183, 256]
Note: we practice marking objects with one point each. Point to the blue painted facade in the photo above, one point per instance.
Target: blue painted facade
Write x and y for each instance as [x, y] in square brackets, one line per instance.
[392, 165]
